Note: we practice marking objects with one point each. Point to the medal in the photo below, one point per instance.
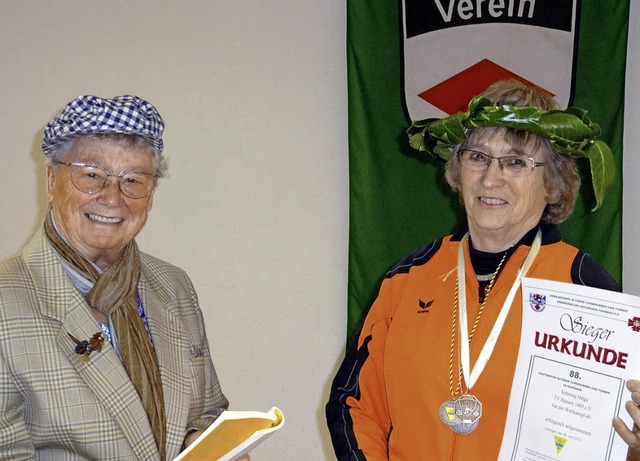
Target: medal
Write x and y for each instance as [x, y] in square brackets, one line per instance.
[462, 427]
[462, 415]
[468, 409]
[448, 412]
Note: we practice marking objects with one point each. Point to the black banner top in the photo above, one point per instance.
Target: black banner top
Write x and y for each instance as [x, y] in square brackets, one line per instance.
[424, 16]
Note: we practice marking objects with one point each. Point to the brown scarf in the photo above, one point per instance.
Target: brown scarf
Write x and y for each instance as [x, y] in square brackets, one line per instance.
[115, 294]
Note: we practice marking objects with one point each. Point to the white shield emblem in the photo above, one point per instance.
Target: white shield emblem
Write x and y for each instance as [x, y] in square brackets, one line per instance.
[454, 49]
[537, 301]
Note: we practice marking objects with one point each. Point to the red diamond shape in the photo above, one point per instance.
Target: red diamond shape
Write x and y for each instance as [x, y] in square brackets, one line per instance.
[453, 94]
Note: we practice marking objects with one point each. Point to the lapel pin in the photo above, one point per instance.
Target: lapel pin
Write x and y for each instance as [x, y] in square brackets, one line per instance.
[86, 347]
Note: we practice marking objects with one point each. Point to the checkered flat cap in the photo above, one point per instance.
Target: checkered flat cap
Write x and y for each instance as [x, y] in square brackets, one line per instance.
[93, 115]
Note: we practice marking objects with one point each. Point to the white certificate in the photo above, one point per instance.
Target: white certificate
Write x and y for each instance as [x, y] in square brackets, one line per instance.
[578, 347]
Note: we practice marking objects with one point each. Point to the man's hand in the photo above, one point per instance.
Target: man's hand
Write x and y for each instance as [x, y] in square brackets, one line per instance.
[188, 440]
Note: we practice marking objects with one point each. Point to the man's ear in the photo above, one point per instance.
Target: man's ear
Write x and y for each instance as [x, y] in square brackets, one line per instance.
[50, 177]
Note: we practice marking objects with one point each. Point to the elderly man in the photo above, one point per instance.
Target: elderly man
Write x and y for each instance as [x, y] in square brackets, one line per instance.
[103, 351]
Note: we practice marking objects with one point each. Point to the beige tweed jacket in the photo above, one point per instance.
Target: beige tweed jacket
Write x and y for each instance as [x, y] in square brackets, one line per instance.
[53, 406]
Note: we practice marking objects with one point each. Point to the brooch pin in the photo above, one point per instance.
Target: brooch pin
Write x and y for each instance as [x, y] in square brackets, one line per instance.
[86, 347]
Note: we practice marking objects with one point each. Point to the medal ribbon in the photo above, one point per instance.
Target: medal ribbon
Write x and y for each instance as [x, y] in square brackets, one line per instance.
[471, 376]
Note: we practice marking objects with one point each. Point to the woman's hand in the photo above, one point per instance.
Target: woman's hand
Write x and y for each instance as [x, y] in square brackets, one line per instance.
[631, 436]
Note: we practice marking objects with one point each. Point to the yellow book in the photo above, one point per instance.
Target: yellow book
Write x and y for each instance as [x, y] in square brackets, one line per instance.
[233, 434]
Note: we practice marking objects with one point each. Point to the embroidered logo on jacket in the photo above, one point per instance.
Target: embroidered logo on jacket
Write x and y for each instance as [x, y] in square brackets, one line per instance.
[424, 306]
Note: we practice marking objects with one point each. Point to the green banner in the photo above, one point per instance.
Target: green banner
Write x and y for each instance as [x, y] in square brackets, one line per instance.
[399, 200]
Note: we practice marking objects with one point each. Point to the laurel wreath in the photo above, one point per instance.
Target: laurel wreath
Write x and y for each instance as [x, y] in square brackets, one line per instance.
[569, 131]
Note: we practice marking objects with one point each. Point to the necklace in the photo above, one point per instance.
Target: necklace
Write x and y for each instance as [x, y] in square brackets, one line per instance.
[463, 414]
[487, 277]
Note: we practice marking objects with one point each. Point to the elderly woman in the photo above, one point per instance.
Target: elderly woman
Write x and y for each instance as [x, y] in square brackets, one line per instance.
[390, 398]
[103, 352]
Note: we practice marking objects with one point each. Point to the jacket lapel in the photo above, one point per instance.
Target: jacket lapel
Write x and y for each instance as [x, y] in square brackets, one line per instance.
[173, 354]
[104, 373]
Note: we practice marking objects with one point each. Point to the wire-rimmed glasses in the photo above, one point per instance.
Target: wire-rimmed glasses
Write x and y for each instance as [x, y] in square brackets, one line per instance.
[512, 165]
[91, 179]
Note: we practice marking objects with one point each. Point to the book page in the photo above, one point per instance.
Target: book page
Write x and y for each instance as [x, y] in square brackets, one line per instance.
[233, 434]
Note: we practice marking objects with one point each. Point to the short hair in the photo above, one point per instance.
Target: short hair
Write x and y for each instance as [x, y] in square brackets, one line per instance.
[58, 152]
[560, 173]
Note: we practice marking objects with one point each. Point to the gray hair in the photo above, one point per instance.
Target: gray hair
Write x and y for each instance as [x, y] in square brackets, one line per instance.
[59, 151]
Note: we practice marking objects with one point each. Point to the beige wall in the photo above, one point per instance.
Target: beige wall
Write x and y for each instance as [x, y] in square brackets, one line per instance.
[254, 97]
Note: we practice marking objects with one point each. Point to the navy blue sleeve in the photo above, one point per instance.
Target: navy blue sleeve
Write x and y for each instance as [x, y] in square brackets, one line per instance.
[345, 384]
[417, 258]
[587, 271]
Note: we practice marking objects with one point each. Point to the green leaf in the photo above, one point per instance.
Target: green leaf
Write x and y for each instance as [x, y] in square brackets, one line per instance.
[449, 130]
[416, 133]
[443, 151]
[603, 169]
[564, 129]
[521, 118]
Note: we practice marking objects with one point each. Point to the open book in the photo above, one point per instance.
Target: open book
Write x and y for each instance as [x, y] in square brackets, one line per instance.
[233, 434]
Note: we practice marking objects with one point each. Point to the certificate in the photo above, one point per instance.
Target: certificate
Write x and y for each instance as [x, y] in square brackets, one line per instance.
[578, 347]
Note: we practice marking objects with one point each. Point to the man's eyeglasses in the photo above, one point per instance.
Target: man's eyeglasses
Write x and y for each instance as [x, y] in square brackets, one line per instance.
[512, 165]
[92, 179]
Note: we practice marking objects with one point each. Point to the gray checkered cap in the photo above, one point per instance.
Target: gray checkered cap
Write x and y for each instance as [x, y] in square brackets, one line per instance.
[93, 115]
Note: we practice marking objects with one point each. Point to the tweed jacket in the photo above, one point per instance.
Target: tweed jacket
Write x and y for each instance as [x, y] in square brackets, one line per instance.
[53, 406]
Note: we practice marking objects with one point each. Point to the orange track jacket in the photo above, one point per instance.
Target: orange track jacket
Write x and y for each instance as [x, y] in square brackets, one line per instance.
[386, 398]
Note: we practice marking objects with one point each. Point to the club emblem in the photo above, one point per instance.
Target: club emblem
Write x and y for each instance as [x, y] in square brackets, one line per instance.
[634, 323]
[537, 301]
[453, 50]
